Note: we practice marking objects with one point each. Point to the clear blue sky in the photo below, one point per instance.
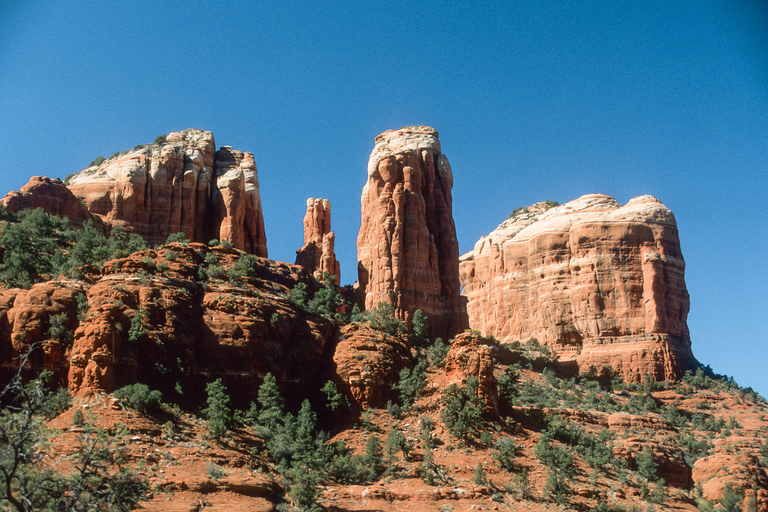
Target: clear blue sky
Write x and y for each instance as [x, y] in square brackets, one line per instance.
[533, 100]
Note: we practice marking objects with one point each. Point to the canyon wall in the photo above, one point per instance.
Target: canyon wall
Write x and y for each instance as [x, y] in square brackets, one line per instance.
[407, 249]
[597, 282]
[180, 185]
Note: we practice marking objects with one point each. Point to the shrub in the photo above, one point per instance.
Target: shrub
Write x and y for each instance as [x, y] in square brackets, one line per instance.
[437, 353]
[267, 418]
[506, 451]
[32, 247]
[97, 161]
[243, 267]
[462, 414]
[215, 471]
[419, 329]
[139, 397]
[77, 418]
[137, 330]
[646, 466]
[161, 140]
[382, 318]
[218, 412]
[479, 478]
[507, 384]
[411, 383]
[333, 398]
[177, 238]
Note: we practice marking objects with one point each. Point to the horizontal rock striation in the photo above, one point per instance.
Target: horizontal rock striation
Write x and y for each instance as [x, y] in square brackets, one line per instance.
[597, 282]
[407, 250]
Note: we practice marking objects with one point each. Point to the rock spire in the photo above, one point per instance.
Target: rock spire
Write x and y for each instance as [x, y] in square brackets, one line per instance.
[407, 249]
[317, 255]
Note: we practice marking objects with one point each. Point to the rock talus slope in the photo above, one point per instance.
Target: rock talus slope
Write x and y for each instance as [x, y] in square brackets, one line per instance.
[407, 249]
[183, 185]
[598, 282]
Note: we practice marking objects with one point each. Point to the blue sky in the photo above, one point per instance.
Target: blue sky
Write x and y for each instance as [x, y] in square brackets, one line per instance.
[533, 101]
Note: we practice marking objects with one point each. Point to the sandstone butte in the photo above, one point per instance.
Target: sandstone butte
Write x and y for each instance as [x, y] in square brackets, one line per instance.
[317, 254]
[600, 283]
[407, 249]
[180, 186]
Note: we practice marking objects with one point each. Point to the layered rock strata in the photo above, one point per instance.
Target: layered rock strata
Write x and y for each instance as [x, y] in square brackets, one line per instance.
[317, 254]
[597, 282]
[180, 186]
[407, 250]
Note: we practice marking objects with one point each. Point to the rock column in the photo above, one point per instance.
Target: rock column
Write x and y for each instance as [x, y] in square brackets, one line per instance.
[407, 249]
[317, 255]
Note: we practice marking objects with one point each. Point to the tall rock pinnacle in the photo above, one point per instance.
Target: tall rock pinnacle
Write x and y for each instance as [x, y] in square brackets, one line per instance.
[407, 250]
[317, 255]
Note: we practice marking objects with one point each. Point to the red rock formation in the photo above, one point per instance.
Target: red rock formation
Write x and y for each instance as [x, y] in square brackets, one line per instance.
[25, 319]
[52, 196]
[189, 332]
[182, 186]
[367, 364]
[597, 282]
[238, 202]
[471, 355]
[407, 250]
[317, 255]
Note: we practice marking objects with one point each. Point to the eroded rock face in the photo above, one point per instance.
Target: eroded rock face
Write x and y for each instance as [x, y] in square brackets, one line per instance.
[597, 282]
[26, 317]
[317, 254]
[191, 332]
[52, 196]
[407, 250]
[471, 355]
[149, 318]
[184, 186]
[367, 364]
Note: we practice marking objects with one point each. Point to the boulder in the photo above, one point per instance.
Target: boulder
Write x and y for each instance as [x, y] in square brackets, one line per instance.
[367, 364]
[471, 355]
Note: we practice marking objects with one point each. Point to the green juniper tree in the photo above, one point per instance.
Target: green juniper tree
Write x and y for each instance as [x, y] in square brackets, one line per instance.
[218, 412]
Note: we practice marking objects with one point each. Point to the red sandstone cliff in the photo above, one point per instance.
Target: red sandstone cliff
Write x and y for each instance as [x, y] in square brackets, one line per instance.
[407, 250]
[317, 254]
[598, 282]
[52, 196]
[183, 185]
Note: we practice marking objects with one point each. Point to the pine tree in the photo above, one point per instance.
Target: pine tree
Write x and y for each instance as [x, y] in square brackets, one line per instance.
[270, 407]
[218, 412]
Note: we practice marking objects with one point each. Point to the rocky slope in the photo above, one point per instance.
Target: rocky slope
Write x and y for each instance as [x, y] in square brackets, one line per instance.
[174, 318]
[180, 185]
[701, 435]
[598, 282]
[407, 249]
